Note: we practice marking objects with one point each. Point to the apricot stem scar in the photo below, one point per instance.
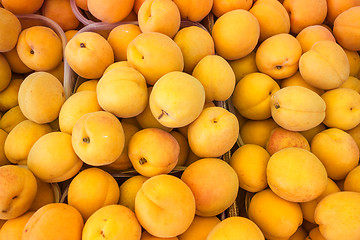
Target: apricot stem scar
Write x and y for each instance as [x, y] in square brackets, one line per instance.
[278, 67]
[162, 114]
[142, 161]
[82, 45]
[86, 140]
[32, 51]
[277, 106]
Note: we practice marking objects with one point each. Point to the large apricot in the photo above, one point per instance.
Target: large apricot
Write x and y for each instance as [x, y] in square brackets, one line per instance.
[165, 206]
[347, 29]
[18, 191]
[95, 51]
[297, 108]
[337, 215]
[235, 34]
[296, 175]
[58, 220]
[194, 10]
[214, 184]
[325, 65]
[110, 11]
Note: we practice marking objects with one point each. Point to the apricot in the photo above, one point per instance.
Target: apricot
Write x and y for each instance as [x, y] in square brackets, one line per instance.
[165, 206]
[271, 11]
[354, 61]
[154, 54]
[315, 234]
[313, 33]
[52, 220]
[9, 96]
[257, 131]
[194, 10]
[281, 138]
[199, 228]
[46, 193]
[38, 104]
[342, 108]
[244, 66]
[11, 118]
[153, 18]
[309, 134]
[276, 217]
[75, 107]
[66, 19]
[347, 29]
[236, 228]
[116, 65]
[98, 138]
[249, 162]
[69, 34]
[153, 151]
[304, 13]
[298, 80]
[10, 29]
[88, 85]
[220, 7]
[18, 190]
[252, 95]
[293, 114]
[354, 132]
[82, 4]
[95, 51]
[120, 37]
[278, 56]
[5, 73]
[21, 6]
[351, 180]
[325, 65]
[184, 147]
[337, 150]
[296, 175]
[21, 139]
[235, 34]
[91, 190]
[13, 228]
[341, 222]
[123, 92]
[177, 99]
[110, 11]
[308, 208]
[195, 43]
[39, 48]
[335, 7]
[129, 189]
[214, 184]
[15, 63]
[113, 222]
[52, 158]
[300, 234]
[58, 72]
[123, 162]
[213, 133]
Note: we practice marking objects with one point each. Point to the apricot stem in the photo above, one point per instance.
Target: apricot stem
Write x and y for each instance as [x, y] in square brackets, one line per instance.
[162, 114]
[86, 140]
[142, 161]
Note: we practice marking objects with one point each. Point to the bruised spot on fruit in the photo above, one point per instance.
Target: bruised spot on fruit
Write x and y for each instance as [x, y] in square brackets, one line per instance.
[277, 106]
[142, 161]
[162, 114]
[14, 197]
[102, 233]
[86, 140]
[82, 45]
[214, 120]
[4, 211]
